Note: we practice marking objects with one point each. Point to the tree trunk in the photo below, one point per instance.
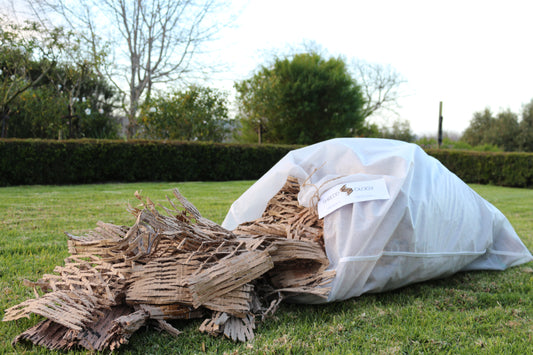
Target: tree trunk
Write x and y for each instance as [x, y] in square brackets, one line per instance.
[5, 118]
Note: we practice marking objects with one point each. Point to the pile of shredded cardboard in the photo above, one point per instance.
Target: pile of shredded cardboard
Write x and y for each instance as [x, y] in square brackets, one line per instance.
[177, 265]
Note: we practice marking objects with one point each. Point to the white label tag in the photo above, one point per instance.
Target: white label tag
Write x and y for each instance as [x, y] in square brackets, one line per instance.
[351, 192]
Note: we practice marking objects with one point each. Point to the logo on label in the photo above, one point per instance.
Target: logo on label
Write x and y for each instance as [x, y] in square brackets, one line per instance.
[348, 190]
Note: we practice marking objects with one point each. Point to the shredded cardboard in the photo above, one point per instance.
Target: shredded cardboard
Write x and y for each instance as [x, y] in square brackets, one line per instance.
[177, 265]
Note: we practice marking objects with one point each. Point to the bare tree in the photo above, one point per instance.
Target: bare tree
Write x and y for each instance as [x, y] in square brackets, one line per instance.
[380, 86]
[137, 43]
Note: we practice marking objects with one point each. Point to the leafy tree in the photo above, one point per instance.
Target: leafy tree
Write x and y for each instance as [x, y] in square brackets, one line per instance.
[42, 112]
[197, 113]
[76, 79]
[19, 69]
[302, 100]
[480, 128]
[69, 101]
[486, 129]
[369, 130]
[400, 130]
[36, 113]
[381, 85]
[140, 43]
[525, 137]
[505, 131]
[48, 88]
[88, 101]
[448, 143]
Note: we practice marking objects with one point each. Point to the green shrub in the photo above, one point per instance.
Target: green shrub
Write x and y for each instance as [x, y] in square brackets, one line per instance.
[496, 168]
[447, 143]
[49, 162]
[24, 162]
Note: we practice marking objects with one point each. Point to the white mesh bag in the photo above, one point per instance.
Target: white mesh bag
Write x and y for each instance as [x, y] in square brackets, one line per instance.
[393, 215]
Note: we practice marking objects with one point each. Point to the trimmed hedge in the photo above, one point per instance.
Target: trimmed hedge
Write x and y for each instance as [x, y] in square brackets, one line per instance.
[25, 162]
[503, 169]
[50, 162]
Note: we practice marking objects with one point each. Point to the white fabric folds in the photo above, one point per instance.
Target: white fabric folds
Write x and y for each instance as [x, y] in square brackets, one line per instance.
[431, 225]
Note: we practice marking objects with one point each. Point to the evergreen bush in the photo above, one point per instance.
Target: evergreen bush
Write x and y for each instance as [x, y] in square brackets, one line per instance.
[51, 162]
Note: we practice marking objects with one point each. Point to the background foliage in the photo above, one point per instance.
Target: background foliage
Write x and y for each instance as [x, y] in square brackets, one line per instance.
[504, 129]
[24, 162]
[52, 86]
[50, 111]
[196, 114]
[48, 89]
[300, 100]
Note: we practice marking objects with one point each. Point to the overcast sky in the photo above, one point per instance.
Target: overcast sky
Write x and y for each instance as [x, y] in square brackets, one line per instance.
[469, 54]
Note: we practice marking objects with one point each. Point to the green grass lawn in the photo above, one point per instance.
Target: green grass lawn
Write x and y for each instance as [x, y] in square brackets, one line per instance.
[475, 312]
